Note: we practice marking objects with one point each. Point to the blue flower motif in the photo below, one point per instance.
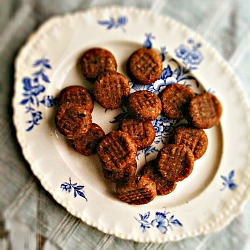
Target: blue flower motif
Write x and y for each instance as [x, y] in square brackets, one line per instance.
[33, 88]
[228, 182]
[190, 54]
[182, 51]
[78, 189]
[194, 58]
[161, 222]
[113, 23]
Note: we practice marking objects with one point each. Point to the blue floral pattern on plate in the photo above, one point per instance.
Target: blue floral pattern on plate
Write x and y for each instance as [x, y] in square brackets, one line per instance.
[228, 182]
[173, 72]
[160, 221]
[189, 54]
[78, 189]
[33, 88]
[114, 23]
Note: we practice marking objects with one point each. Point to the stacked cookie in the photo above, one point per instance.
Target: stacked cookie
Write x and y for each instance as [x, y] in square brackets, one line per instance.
[117, 150]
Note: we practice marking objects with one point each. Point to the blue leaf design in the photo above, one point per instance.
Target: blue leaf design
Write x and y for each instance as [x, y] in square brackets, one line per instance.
[176, 222]
[47, 66]
[78, 189]
[45, 78]
[228, 182]
[23, 102]
[38, 62]
[231, 175]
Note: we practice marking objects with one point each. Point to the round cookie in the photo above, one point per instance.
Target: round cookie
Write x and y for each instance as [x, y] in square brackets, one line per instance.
[163, 185]
[137, 190]
[194, 138]
[96, 61]
[87, 144]
[205, 111]
[110, 90]
[175, 99]
[76, 94]
[144, 105]
[144, 66]
[175, 162]
[73, 121]
[116, 150]
[142, 132]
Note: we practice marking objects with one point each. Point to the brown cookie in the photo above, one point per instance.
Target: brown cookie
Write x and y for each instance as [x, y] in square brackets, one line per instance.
[163, 185]
[76, 95]
[175, 162]
[137, 190]
[87, 144]
[116, 150]
[144, 105]
[96, 61]
[123, 174]
[205, 111]
[144, 66]
[142, 132]
[110, 90]
[194, 138]
[73, 121]
[175, 99]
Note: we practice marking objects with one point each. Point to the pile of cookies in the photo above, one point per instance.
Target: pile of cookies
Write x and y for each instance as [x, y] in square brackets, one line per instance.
[117, 150]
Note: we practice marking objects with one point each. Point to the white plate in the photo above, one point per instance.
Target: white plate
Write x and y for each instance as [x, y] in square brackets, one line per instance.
[204, 202]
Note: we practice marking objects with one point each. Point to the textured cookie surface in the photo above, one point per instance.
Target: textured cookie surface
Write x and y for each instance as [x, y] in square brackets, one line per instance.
[116, 150]
[144, 105]
[144, 66]
[87, 144]
[73, 121]
[96, 61]
[175, 162]
[205, 111]
[175, 99]
[195, 139]
[163, 185]
[142, 132]
[76, 95]
[121, 174]
[137, 190]
[110, 89]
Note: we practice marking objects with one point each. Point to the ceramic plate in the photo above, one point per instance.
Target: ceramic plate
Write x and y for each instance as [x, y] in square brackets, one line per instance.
[204, 202]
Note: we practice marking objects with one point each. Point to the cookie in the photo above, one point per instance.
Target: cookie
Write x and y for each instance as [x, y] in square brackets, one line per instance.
[123, 174]
[194, 138]
[116, 150]
[76, 95]
[205, 111]
[163, 185]
[144, 66]
[175, 162]
[110, 90]
[142, 132]
[96, 61]
[87, 144]
[137, 190]
[73, 121]
[175, 99]
[144, 105]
